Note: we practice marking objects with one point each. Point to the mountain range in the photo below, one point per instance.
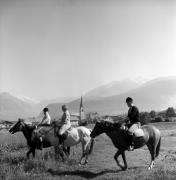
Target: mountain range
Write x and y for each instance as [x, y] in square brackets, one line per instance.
[156, 94]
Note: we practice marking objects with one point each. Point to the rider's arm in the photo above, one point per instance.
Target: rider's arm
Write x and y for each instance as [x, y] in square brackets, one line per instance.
[42, 120]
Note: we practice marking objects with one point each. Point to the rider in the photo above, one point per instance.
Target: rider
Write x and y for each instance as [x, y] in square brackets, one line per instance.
[46, 120]
[132, 120]
[65, 123]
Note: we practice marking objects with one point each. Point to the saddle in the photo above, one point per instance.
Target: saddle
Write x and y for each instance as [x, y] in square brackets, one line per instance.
[57, 127]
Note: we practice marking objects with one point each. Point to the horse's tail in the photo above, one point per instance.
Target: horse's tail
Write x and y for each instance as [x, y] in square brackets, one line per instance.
[158, 147]
[91, 145]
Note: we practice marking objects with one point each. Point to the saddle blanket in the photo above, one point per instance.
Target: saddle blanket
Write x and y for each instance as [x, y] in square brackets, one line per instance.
[136, 130]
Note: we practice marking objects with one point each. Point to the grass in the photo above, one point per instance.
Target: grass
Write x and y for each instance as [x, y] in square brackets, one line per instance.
[14, 165]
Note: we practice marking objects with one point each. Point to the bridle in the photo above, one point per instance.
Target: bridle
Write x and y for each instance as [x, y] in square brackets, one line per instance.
[46, 132]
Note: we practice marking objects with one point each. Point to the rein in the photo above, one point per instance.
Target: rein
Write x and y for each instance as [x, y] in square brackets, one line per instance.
[47, 131]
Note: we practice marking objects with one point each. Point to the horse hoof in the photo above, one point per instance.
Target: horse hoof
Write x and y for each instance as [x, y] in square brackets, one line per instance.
[82, 164]
[149, 168]
[124, 168]
[85, 164]
[79, 164]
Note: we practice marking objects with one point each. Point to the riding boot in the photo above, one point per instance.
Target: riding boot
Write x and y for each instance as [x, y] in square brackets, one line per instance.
[61, 142]
[60, 139]
[131, 143]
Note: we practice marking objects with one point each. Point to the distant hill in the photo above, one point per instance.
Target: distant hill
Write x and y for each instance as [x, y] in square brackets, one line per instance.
[61, 100]
[12, 107]
[157, 94]
[113, 88]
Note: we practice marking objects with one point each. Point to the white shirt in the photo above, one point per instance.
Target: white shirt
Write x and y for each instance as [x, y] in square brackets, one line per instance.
[46, 118]
[65, 118]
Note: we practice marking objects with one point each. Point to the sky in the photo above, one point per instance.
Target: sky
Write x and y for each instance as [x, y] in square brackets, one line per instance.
[57, 48]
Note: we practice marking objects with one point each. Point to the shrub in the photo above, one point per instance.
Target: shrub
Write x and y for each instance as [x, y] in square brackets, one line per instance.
[159, 119]
[170, 112]
[152, 114]
[145, 118]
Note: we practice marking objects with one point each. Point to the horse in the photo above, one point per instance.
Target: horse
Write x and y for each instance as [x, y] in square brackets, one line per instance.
[27, 130]
[74, 136]
[117, 133]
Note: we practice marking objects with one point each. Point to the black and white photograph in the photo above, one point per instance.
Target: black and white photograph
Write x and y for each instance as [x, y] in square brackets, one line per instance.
[87, 89]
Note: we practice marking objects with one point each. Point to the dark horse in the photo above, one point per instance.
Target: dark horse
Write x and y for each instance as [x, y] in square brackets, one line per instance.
[27, 130]
[118, 135]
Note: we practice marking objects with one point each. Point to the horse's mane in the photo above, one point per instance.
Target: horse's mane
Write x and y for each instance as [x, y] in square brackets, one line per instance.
[29, 126]
[44, 125]
[111, 124]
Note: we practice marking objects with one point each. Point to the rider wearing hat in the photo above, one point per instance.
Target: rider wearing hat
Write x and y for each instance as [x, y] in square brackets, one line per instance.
[132, 121]
[46, 119]
[65, 122]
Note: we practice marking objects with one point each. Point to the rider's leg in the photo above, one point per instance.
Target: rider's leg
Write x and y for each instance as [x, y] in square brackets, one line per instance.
[131, 138]
[61, 132]
[131, 142]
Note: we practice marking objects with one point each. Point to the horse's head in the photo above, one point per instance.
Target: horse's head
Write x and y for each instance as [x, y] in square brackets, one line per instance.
[98, 129]
[18, 126]
[104, 127]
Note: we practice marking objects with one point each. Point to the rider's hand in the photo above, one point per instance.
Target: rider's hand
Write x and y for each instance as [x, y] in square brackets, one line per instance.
[127, 120]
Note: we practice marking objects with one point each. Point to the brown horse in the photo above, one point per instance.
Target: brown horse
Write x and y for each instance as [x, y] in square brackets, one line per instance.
[118, 135]
[27, 129]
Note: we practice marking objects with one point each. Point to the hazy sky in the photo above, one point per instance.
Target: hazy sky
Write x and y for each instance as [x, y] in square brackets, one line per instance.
[64, 48]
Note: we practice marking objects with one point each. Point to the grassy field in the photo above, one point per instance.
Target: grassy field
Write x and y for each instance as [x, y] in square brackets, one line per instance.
[14, 165]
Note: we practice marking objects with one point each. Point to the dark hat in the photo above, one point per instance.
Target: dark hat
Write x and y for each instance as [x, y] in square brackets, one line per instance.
[64, 107]
[129, 99]
[45, 109]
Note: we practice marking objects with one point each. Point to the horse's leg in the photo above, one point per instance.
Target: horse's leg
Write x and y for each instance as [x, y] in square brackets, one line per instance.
[83, 153]
[152, 149]
[124, 160]
[116, 159]
[58, 153]
[28, 153]
[68, 151]
[87, 152]
[33, 153]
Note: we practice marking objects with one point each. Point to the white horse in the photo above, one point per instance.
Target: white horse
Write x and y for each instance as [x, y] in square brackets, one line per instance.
[74, 136]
